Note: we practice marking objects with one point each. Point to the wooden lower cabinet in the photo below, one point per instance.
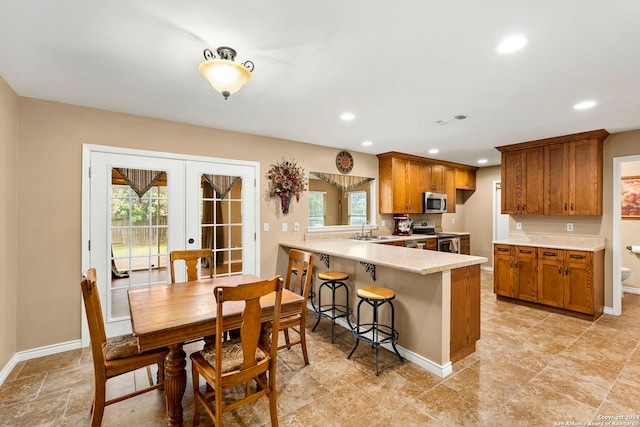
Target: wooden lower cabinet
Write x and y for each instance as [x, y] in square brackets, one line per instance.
[465, 311]
[432, 244]
[465, 244]
[566, 279]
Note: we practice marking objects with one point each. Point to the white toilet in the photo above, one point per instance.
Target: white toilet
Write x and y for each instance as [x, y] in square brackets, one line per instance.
[624, 273]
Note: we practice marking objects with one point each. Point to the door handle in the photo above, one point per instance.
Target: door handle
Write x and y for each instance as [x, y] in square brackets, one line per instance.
[191, 241]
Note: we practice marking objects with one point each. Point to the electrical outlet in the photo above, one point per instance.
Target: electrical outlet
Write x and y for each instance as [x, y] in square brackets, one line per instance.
[265, 227]
[569, 226]
[518, 226]
[296, 226]
[384, 223]
[285, 227]
[453, 220]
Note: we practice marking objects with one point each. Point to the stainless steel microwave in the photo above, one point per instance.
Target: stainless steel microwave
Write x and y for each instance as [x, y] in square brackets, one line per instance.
[434, 203]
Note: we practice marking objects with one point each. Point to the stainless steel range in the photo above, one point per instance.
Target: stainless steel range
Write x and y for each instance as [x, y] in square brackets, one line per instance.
[447, 242]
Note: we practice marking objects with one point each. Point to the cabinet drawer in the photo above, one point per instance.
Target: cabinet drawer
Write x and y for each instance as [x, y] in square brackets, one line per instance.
[577, 257]
[527, 252]
[551, 254]
[502, 250]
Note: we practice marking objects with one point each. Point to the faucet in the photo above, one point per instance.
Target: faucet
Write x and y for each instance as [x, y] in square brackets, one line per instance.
[370, 229]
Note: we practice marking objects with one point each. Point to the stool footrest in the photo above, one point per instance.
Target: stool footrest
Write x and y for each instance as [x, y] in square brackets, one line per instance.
[375, 333]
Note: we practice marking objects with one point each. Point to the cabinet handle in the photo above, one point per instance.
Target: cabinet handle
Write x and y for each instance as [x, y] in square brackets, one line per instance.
[516, 263]
[510, 264]
[550, 254]
[503, 250]
[576, 256]
[565, 206]
[524, 208]
[523, 251]
[566, 271]
[571, 206]
[559, 270]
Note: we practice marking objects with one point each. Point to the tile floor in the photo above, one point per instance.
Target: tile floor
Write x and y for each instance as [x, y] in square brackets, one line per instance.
[531, 368]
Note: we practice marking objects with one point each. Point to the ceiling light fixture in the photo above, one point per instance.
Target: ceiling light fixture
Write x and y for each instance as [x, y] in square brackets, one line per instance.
[367, 143]
[512, 44]
[482, 161]
[585, 105]
[225, 75]
[347, 116]
[434, 151]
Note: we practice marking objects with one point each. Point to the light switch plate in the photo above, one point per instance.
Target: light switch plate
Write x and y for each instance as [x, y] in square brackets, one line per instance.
[265, 227]
[569, 226]
[518, 225]
[285, 227]
[296, 226]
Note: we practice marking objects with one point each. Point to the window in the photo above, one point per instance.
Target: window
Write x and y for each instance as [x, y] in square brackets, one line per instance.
[317, 208]
[357, 207]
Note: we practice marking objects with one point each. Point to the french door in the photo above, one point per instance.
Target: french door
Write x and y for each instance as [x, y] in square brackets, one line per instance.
[143, 205]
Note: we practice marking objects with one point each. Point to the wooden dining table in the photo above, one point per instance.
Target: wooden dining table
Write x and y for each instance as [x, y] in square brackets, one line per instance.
[172, 314]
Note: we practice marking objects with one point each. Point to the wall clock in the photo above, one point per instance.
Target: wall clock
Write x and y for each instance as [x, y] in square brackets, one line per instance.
[344, 162]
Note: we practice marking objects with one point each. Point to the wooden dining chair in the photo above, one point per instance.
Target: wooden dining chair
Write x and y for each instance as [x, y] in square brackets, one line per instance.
[298, 280]
[113, 356]
[237, 361]
[191, 258]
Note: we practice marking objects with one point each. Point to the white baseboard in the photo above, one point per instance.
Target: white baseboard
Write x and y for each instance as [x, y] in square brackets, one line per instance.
[630, 290]
[37, 352]
[608, 310]
[486, 268]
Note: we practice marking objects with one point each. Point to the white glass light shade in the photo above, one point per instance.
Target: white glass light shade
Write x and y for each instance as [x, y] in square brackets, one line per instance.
[227, 77]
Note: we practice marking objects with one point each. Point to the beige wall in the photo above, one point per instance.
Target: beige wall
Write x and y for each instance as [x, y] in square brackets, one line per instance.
[480, 223]
[49, 184]
[8, 221]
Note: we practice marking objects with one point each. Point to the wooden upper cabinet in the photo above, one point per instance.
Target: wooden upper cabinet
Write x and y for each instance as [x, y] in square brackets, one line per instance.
[554, 176]
[522, 181]
[436, 175]
[403, 178]
[402, 183]
[465, 179]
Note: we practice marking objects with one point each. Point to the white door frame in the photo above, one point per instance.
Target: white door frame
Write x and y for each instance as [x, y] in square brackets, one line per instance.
[617, 240]
[88, 149]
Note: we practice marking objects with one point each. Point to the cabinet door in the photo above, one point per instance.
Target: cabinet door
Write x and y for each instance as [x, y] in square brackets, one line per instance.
[532, 181]
[503, 283]
[437, 178]
[465, 179]
[432, 244]
[585, 178]
[556, 179]
[449, 183]
[465, 245]
[578, 282]
[550, 277]
[526, 273]
[400, 185]
[417, 185]
[511, 178]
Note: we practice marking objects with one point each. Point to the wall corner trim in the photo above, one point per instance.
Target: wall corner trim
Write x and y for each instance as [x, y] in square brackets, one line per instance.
[37, 352]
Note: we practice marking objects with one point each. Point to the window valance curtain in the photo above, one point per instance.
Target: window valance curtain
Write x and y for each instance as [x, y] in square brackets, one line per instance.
[342, 182]
[222, 184]
[139, 180]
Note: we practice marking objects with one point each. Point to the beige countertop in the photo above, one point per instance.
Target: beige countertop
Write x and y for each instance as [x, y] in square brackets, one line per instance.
[395, 257]
[577, 243]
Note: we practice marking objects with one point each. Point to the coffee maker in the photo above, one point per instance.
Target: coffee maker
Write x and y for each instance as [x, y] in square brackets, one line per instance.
[402, 225]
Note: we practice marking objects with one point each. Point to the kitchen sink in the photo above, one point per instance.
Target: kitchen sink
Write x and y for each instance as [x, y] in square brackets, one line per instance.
[368, 238]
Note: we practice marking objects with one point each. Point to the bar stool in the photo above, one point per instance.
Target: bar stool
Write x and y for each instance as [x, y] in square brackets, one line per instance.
[333, 280]
[374, 332]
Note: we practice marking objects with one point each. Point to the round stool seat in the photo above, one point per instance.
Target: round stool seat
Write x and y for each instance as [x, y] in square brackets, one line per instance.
[374, 292]
[333, 275]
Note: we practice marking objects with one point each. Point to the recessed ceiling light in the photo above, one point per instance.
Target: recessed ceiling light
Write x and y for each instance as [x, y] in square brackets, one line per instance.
[434, 151]
[584, 105]
[512, 44]
[367, 143]
[347, 116]
[482, 161]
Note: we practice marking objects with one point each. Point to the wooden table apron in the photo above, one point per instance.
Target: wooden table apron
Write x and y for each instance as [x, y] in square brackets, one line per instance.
[169, 315]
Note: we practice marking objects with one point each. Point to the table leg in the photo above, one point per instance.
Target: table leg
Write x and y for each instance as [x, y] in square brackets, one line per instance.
[175, 383]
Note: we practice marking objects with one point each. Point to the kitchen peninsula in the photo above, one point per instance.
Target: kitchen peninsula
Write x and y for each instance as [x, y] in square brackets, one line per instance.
[437, 305]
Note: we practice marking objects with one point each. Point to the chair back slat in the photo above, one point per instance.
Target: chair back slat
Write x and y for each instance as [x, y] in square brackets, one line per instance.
[191, 258]
[93, 310]
[299, 274]
[251, 316]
